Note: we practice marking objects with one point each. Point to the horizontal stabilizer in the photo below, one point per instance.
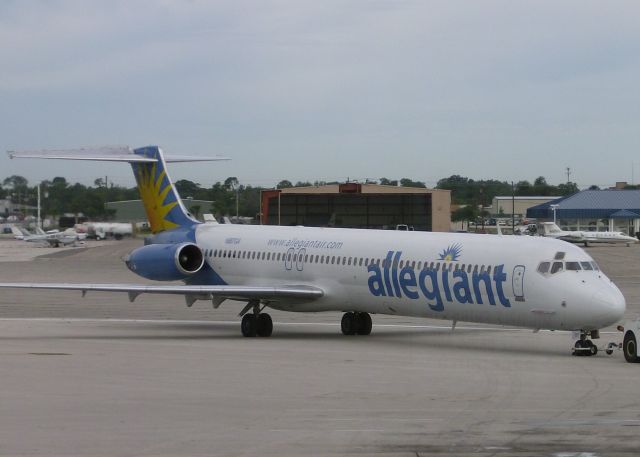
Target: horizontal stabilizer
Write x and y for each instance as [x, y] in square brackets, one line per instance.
[106, 154]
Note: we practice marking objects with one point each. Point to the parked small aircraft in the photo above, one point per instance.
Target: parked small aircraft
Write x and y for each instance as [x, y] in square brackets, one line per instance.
[551, 230]
[52, 238]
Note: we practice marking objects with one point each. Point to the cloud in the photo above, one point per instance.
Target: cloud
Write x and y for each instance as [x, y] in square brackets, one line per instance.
[440, 84]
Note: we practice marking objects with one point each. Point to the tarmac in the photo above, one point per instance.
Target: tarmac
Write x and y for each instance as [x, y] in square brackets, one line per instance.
[99, 376]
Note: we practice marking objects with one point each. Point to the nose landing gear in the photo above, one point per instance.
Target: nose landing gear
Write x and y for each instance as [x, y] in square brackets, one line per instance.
[584, 346]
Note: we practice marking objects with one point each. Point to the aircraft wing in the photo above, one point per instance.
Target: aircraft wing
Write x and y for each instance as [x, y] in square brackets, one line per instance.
[190, 292]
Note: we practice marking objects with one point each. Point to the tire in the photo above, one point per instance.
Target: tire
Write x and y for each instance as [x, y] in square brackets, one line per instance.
[264, 325]
[630, 348]
[348, 324]
[364, 323]
[578, 346]
[248, 325]
[593, 349]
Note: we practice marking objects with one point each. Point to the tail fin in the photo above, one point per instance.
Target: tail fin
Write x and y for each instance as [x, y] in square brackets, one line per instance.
[161, 201]
[160, 198]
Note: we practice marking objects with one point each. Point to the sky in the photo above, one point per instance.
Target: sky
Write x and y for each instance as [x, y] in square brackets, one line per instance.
[331, 90]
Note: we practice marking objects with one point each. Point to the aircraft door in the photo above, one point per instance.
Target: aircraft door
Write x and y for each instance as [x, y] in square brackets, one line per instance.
[517, 282]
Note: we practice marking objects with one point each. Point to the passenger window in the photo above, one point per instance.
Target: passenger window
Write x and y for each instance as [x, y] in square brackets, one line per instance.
[544, 267]
[586, 266]
[401, 264]
[557, 266]
[573, 266]
[420, 265]
[489, 269]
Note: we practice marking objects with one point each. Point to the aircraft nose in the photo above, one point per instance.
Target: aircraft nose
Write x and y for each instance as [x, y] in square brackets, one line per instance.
[611, 303]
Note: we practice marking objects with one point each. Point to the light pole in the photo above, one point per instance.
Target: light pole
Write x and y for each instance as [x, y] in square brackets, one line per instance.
[39, 220]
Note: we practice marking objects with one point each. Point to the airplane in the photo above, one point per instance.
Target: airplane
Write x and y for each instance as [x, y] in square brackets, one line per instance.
[53, 238]
[531, 282]
[100, 230]
[550, 229]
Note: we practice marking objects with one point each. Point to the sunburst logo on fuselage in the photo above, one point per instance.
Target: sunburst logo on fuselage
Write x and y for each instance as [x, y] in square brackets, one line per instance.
[452, 253]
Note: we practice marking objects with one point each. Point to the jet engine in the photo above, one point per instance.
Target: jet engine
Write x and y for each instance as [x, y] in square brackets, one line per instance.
[166, 262]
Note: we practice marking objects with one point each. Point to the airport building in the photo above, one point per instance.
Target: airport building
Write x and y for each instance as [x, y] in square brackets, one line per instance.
[596, 210]
[133, 210]
[506, 206]
[356, 205]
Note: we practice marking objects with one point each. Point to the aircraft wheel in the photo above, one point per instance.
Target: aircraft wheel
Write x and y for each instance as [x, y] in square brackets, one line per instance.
[265, 325]
[364, 324]
[348, 324]
[578, 348]
[630, 348]
[593, 349]
[248, 325]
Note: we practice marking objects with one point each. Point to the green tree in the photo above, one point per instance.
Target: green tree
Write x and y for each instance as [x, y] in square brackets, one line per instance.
[569, 188]
[465, 213]
[388, 182]
[188, 188]
[284, 184]
[406, 182]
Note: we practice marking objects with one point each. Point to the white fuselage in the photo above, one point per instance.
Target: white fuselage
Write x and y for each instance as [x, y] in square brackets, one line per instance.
[455, 276]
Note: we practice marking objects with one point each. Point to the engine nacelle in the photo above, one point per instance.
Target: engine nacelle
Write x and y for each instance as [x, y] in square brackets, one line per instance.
[166, 262]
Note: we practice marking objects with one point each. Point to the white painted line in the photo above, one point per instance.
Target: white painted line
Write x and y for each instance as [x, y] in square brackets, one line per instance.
[318, 324]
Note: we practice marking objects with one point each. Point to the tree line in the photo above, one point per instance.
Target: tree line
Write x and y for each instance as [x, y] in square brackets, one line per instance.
[60, 197]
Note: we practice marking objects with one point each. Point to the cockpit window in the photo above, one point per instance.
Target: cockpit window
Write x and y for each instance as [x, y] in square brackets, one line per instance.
[544, 267]
[557, 266]
[559, 255]
[586, 265]
[595, 266]
[573, 266]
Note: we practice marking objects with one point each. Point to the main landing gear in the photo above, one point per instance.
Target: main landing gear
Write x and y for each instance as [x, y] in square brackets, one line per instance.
[354, 323]
[584, 346]
[255, 323]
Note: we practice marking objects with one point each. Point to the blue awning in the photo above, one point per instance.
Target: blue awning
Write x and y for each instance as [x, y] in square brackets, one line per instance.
[625, 214]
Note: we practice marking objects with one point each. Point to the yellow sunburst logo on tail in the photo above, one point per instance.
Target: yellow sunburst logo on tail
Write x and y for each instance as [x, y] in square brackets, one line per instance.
[153, 191]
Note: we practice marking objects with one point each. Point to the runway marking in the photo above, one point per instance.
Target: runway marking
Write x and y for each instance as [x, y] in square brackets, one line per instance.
[319, 324]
